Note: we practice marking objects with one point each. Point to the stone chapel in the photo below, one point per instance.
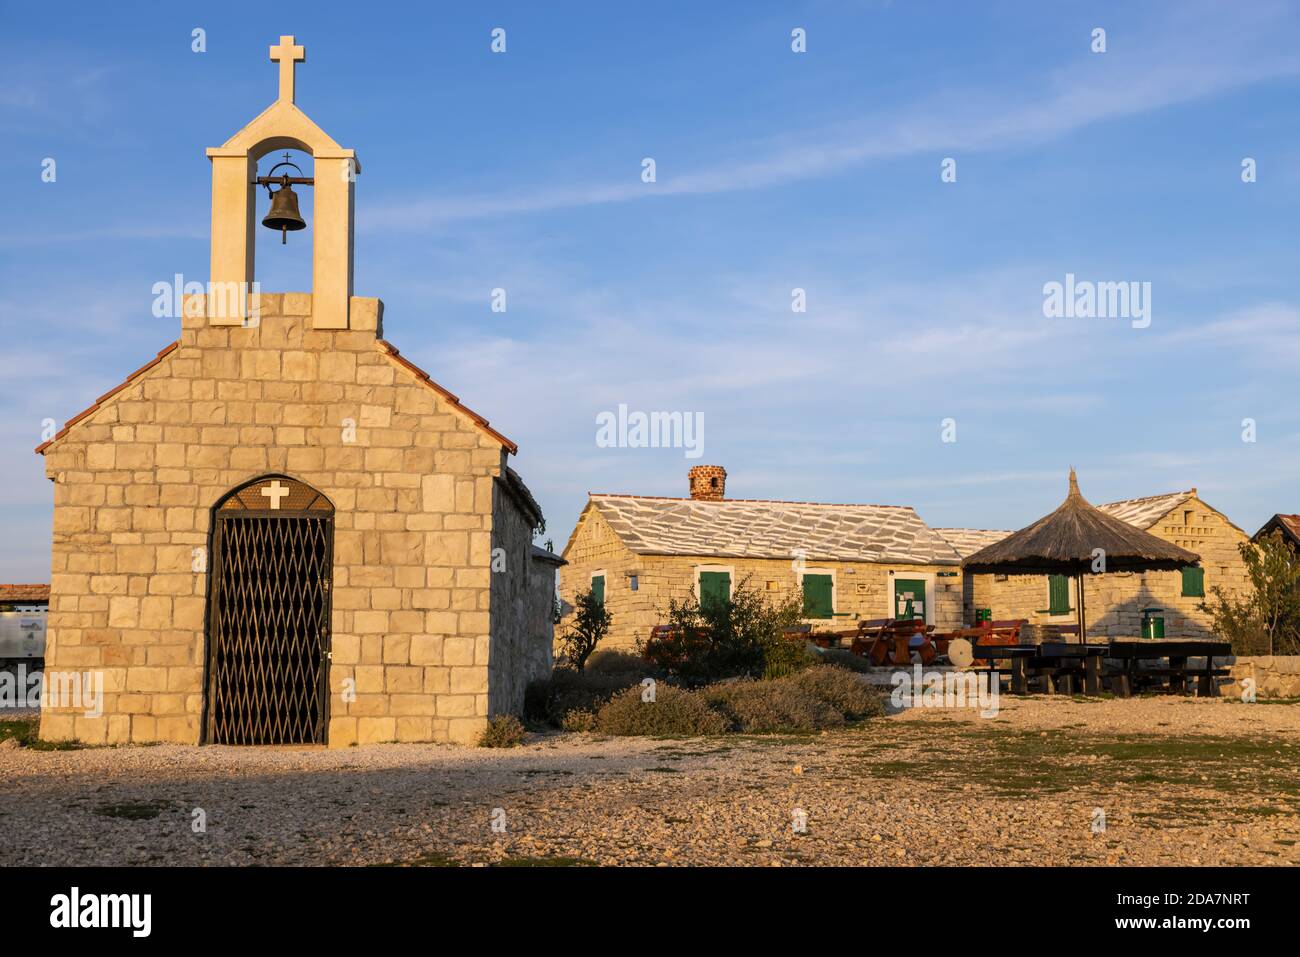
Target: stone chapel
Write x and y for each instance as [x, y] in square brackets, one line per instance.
[279, 530]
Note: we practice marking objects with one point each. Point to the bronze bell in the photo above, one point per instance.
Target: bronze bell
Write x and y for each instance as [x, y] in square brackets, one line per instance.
[284, 214]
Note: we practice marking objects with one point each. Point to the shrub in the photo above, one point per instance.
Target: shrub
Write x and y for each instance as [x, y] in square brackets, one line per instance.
[843, 690]
[590, 624]
[787, 657]
[579, 719]
[843, 658]
[611, 662]
[503, 731]
[724, 639]
[567, 690]
[674, 711]
[766, 707]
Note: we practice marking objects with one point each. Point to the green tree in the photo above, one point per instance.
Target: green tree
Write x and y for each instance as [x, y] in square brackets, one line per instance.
[1267, 620]
[590, 624]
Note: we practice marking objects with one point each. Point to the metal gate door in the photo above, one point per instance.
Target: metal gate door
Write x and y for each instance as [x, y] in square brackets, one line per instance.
[269, 615]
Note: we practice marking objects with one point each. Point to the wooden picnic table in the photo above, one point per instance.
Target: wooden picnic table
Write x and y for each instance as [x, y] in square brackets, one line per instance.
[1131, 651]
[1058, 663]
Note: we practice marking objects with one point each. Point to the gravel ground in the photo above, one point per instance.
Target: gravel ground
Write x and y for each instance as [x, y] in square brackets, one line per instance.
[1180, 781]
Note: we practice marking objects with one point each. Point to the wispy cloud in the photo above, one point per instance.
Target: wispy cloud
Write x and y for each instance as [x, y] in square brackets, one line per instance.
[1145, 71]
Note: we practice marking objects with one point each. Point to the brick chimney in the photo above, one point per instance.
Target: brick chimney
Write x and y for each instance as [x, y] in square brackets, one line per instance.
[709, 482]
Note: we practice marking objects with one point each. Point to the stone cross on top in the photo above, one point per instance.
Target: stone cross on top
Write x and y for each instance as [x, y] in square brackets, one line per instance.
[288, 57]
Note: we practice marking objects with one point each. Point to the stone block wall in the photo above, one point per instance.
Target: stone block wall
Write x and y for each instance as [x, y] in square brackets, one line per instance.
[411, 478]
[522, 598]
[1274, 676]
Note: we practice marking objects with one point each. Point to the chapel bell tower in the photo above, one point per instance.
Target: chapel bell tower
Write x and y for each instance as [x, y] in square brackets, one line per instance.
[235, 181]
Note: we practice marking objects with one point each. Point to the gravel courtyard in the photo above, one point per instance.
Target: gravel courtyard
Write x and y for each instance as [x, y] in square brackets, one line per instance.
[1180, 781]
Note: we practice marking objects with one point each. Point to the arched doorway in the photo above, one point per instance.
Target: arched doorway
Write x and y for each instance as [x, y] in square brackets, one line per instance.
[268, 616]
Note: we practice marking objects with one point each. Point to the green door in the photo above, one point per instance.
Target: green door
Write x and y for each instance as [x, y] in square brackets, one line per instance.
[909, 598]
[818, 596]
[598, 588]
[714, 587]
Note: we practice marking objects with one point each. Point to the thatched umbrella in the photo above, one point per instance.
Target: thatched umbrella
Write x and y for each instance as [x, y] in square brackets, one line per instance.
[1065, 543]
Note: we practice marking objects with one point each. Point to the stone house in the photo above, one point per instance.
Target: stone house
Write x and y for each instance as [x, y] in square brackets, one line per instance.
[280, 530]
[1115, 601]
[844, 562]
[1288, 525]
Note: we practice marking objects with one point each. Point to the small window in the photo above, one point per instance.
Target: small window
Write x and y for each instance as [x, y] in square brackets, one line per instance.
[818, 592]
[1058, 595]
[598, 588]
[1193, 582]
[633, 583]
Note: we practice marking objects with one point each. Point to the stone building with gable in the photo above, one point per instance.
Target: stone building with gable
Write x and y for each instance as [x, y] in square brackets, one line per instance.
[1115, 601]
[844, 562]
[280, 530]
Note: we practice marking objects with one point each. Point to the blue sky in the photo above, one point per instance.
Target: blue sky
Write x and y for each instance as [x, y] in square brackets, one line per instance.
[775, 170]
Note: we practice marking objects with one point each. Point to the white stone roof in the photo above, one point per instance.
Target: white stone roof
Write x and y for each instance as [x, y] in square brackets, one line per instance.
[741, 528]
[968, 541]
[1145, 512]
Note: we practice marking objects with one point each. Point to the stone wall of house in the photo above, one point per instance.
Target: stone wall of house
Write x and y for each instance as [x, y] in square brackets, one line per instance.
[541, 620]
[409, 474]
[863, 590]
[1274, 676]
[1114, 601]
[521, 603]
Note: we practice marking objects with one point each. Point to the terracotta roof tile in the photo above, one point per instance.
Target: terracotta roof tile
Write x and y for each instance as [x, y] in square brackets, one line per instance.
[108, 395]
[391, 351]
[24, 593]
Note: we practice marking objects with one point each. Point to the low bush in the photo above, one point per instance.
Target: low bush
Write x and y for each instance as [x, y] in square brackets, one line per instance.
[579, 719]
[784, 656]
[673, 711]
[842, 690]
[770, 707]
[503, 731]
[612, 662]
[843, 658]
[552, 699]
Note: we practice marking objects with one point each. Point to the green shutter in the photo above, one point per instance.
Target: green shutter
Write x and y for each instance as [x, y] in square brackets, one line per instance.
[1193, 582]
[909, 598]
[598, 588]
[714, 587]
[1058, 594]
[817, 590]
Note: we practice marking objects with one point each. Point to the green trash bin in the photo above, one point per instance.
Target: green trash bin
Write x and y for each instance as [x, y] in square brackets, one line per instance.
[1153, 624]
